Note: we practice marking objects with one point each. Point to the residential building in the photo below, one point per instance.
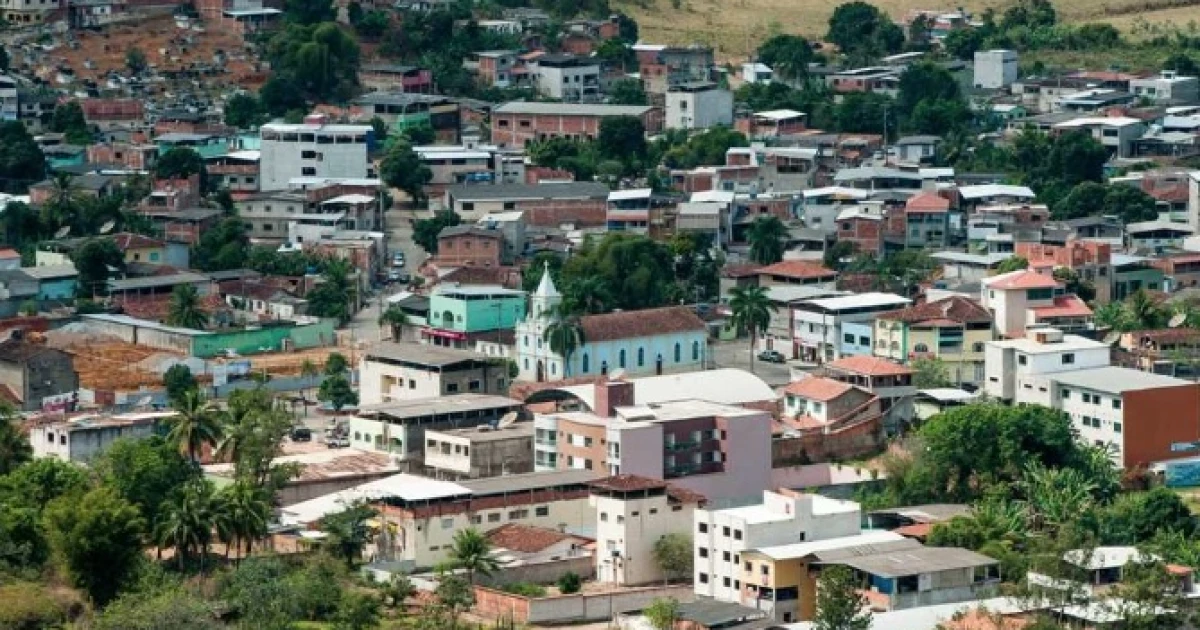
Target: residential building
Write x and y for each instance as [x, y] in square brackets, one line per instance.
[1181, 269]
[870, 79]
[717, 450]
[398, 428]
[460, 315]
[17, 287]
[394, 371]
[575, 204]
[639, 343]
[818, 322]
[726, 386]
[469, 246]
[1092, 261]
[33, 374]
[1168, 87]
[801, 272]
[629, 210]
[755, 72]
[81, 439]
[664, 67]
[481, 451]
[517, 123]
[927, 217]
[313, 149]
[56, 283]
[953, 330]
[722, 536]
[995, 69]
[237, 172]
[963, 266]
[1157, 235]
[1092, 100]
[917, 149]
[698, 106]
[1022, 299]
[9, 97]
[821, 208]
[205, 144]
[1019, 370]
[775, 123]
[312, 210]
[568, 78]
[989, 194]
[891, 382]
[1007, 224]
[388, 77]
[135, 248]
[458, 164]
[1140, 416]
[780, 334]
[1115, 133]
[632, 514]
[824, 405]
[406, 110]
[24, 13]
[427, 513]
[517, 545]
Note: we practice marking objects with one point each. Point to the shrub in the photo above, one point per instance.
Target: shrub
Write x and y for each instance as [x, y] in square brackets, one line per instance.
[569, 583]
[524, 589]
[27, 606]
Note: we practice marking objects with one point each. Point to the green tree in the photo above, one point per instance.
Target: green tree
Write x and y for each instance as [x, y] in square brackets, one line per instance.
[455, 595]
[637, 271]
[97, 539]
[354, 13]
[662, 613]
[187, 521]
[335, 295]
[569, 583]
[373, 25]
[259, 592]
[1136, 518]
[196, 424]
[930, 95]
[1012, 263]
[839, 604]
[336, 391]
[1183, 63]
[787, 55]
[179, 162]
[930, 373]
[565, 335]
[178, 379]
[706, 148]
[751, 308]
[858, 28]
[309, 12]
[243, 514]
[768, 239]
[395, 319]
[135, 60]
[224, 247]
[1074, 284]
[397, 590]
[402, 168]
[471, 551]
[348, 532]
[145, 473]
[1093, 199]
[68, 119]
[588, 295]
[185, 309]
[622, 138]
[170, 609]
[357, 611]
[30, 606]
[673, 555]
[626, 92]
[421, 134]
[426, 231]
[94, 260]
[311, 59]
[962, 43]
[863, 112]
[243, 111]
[336, 364]
[14, 446]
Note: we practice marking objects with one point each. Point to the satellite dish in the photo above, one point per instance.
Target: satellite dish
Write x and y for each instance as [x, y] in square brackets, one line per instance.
[107, 227]
[507, 420]
[62, 231]
[1177, 320]
[617, 374]
[1112, 338]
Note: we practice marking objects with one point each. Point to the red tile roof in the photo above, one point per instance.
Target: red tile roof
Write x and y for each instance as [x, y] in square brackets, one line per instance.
[1064, 306]
[802, 269]
[927, 202]
[740, 271]
[7, 254]
[1165, 334]
[955, 310]
[916, 530]
[871, 366]
[818, 388]
[1021, 279]
[645, 323]
[526, 538]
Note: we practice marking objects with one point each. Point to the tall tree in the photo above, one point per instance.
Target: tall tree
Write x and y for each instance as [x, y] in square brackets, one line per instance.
[673, 553]
[787, 55]
[187, 522]
[309, 12]
[195, 424]
[662, 613]
[336, 391]
[145, 473]
[768, 239]
[565, 335]
[861, 29]
[426, 231]
[401, 168]
[244, 512]
[178, 379]
[224, 247]
[97, 537]
[185, 310]
[472, 552]
[95, 259]
[179, 163]
[14, 446]
[839, 604]
[348, 531]
[68, 119]
[242, 111]
[335, 295]
[752, 310]
[310, 60]
[395, 319]
[622, 138]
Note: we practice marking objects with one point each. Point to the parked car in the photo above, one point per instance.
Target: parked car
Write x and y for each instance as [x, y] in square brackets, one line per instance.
[398, 259]
[301, 434]
[338, 442]
[771, 356]
[394, 275]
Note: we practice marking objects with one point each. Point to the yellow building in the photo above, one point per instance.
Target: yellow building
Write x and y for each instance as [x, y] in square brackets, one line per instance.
[953, 330]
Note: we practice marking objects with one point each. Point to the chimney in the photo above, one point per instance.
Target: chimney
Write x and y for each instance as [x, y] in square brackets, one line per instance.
[610, 395]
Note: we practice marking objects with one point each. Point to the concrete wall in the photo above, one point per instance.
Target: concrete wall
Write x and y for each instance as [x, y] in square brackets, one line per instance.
[251, 341]
[542, 572]
[572, 608]
[866, 438]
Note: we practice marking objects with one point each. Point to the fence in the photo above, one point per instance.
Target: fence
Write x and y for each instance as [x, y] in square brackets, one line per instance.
[572, 608]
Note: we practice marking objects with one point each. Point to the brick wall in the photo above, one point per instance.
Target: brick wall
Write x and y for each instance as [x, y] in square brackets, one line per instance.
[555, 212]
[568, 608]
[468, 249]
[861, 439]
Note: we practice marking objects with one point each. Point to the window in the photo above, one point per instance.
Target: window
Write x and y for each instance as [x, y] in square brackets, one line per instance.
[1116, 427]
[641, 357]
[1087, 398]
[518, 514]
[702, 528]
[494, 517]
[621, 359]
[725, 532]
[848, 338]
[920, 348]
[737, 534]
[703, 551]
[695, 350]
[1116, 403]
[447, 523]
[473, 385]
[468, 206]
[765, 570]
[1068, 358]
[704, 578]
[586, 363]
[653, 511]
[451, 388]
[864, 341]
[1022, 359]
[476, 520]
[749, 567]
[678, 352]
[308, 171]
[604, 517]
[725, 556]
[308, 155]
[412, 383]
[725, 582]
[977, 346]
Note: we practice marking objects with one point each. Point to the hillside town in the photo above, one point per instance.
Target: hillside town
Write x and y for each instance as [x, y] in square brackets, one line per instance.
[322, 314]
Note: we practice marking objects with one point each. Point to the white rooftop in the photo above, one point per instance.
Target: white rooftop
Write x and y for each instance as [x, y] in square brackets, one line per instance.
[948, 394]
[716, 196]
[727, 386]
[977, 259]
[779, 114]
[799, 550]
[861, 300]
[353, 199]
[1117, 380]
[403, 486]
[283, 127]
[636, 193]
[1070, 343]
[929, 617]
[1104, 557]
[1098, 121]
[984, 191]
[1151, 226]
[844, 191]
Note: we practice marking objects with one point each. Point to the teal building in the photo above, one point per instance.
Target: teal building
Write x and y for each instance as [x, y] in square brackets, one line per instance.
[459, 315]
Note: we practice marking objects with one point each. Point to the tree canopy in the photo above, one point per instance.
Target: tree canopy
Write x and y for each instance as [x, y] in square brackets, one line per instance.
[312, 60]
[21, 161]
[863, 32]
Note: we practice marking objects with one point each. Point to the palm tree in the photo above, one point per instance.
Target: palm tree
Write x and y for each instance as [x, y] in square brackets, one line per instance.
[1144, 312]
[195, 423]
[767, 237]
[308, 371]
[245, 511]
[752, 310]
[186, 522]
[394, 318]
[472, 552]
[1112, 315]
[565, 335]
[185, 310]
[63, 205]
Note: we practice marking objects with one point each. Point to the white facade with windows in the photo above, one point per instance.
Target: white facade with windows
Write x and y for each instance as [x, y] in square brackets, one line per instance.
[698, 106]
[817, 324]
[783, 517]
[995, 69]
[313, 150]
[1021, 370]
[628, 526]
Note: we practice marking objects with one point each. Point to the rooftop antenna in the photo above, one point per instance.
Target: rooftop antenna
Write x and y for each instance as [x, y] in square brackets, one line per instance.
[107, 227]
[507, 420]
[1177, 320]
[63, 231]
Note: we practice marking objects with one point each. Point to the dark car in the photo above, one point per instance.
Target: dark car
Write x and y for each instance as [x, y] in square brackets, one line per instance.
[301, 434]
[771, 356]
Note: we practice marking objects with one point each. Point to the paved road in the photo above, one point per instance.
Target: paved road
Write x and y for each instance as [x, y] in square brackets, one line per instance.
[736, 354]
[365, 325]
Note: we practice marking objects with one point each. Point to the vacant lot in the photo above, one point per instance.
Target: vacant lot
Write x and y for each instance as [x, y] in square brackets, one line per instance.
[734, 26]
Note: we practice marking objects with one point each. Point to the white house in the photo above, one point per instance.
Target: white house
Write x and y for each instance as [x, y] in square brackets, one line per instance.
[405, 371]
[314, 149]
[632, 514]
[1022, 299]
[1019, 370]
[995, 69]
[817, 324]
[698, 106]
[640, 343]
[1167, 86]
[81, 439]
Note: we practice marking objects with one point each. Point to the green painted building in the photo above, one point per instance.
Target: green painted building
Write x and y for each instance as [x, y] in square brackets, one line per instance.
[207, 145]
[1133, 273]
[459, 315]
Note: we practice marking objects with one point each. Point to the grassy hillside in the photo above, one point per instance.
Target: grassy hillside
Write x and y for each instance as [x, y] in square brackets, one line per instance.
[734, 26]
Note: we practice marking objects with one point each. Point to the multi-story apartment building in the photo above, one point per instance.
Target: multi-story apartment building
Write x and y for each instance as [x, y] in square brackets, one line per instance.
[517, 123]
[698, 106]
[387, 77]
[663, 67]
[713, 449]
[304, 213]
[481, 451]
[398, 428]
[404, 110]
[818, 323]
[1090, 259]
[721, 536]
[1025, 298]
[802, 272]
[313, 149]
[404, 371]
[632, 514]
[579, 204]
[1018, 370]
[1168, 86]
[568, 77]
[459, 315]
[780, 334]
[1116, 134]
[953, 330]
[995, 69]
[470, 246]
[82, 438]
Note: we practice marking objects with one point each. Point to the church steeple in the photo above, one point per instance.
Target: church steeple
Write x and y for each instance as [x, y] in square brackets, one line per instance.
[546, 298]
